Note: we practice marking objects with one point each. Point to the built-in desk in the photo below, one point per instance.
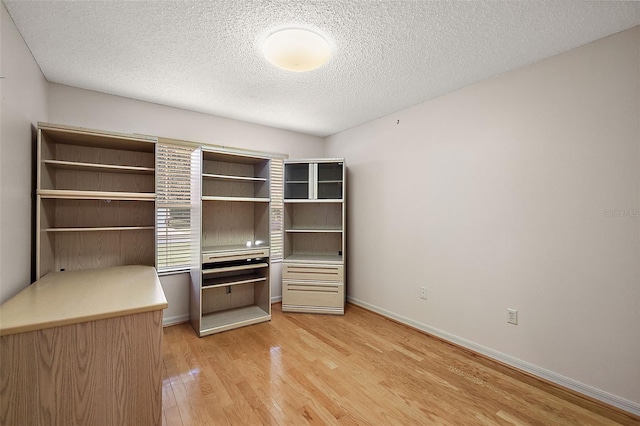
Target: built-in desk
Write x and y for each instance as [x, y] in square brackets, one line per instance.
[83, 347]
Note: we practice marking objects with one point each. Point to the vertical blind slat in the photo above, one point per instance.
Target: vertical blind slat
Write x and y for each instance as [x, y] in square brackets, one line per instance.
[173, 207]
[277, 208]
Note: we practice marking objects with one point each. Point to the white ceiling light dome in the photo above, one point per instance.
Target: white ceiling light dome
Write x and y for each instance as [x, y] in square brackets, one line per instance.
[296, 49]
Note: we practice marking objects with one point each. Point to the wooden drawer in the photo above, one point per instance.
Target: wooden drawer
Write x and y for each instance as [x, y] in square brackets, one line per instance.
[298, 271]
[226, 256]
[317, 295]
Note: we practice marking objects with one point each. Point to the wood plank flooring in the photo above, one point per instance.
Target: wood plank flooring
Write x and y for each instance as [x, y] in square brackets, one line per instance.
[357, 369]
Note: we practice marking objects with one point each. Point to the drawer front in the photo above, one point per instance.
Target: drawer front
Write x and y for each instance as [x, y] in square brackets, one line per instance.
[296, 271]
[315, 294]
[226, 256]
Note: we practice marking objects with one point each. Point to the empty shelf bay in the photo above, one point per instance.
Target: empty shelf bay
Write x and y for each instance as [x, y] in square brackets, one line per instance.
[232, 280]
[96, 195]
[245, 199]
[92, 167]
[313, 230]
[233, 178]
[233, 268]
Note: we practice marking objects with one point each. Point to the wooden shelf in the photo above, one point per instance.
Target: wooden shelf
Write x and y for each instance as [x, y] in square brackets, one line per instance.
[317, 230]
[314, 258]
[248, 266]
[92, 167]
[233, 178]
[98, 139]
[106, 228]
[240, 199]
[232, 318]
[297, 181]
[330, 181]
[232, 280]
[96, 195]
[305, 200]
[235, 247]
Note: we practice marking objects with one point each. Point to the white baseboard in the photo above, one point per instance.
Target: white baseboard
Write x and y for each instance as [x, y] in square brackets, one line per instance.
[607, 398]
[178, 319]
[276, 299]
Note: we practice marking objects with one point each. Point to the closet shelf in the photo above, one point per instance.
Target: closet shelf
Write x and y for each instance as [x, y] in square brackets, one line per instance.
[315, 258]
[232, 280]
[96, 195]
[232, 318]
[248, 266]
[233, 178]
[239, 199]
[100, 229]
[92, 167]
[305, 200]
[316, 230]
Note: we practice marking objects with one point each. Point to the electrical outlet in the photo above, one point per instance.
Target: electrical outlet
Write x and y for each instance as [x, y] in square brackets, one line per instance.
[423, 293]
[512, 316]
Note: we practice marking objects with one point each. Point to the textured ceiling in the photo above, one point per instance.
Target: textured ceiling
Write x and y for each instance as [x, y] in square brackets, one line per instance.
[205, 56]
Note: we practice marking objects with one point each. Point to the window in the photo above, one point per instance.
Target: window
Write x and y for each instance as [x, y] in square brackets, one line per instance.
[174, 243]
[277, 208]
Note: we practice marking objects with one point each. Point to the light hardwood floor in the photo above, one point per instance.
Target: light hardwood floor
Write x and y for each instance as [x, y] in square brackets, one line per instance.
[357, 369]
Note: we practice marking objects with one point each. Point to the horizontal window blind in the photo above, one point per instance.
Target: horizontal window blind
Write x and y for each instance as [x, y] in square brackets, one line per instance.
[277, 208]
[174, 242]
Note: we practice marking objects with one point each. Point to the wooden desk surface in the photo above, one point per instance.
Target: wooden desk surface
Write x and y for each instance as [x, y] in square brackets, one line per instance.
[65, 298]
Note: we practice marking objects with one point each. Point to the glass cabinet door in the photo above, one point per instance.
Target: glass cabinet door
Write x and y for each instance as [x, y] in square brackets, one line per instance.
[296, 181]
[329, 181]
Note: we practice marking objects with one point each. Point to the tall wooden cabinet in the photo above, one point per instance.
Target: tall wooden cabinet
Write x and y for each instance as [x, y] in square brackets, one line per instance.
[230, 284]
[313, 271]
[95, 199]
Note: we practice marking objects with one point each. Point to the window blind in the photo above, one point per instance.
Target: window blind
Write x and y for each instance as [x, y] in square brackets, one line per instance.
[174, 243]
[277, 208]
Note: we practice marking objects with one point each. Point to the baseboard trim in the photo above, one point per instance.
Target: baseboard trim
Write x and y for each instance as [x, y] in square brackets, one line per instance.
[178, 319]
[614, 401]
[276, 299]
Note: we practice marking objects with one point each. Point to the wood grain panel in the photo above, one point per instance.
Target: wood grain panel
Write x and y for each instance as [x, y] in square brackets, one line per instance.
[88, 250]
[80, 180]
[227, 223]
[313, 215]
[100, 213]
[242, 295]
[105, 372]
[92, 154]
[215, 167]
[314, 243]
[212, 187]
[215, 299]
[45, 242]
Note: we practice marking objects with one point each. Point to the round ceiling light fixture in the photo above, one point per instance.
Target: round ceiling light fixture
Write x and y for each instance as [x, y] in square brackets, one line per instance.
[296, 49]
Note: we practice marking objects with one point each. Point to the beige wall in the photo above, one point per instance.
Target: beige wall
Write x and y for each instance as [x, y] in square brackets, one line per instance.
[23, 93]
[522, 191]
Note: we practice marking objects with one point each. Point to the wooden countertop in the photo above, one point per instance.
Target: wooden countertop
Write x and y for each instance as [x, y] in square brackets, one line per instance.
[65, 298]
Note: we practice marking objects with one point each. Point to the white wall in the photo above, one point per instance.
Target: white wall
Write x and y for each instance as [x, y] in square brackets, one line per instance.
[521, 192]
[84, 108]
[23, 93]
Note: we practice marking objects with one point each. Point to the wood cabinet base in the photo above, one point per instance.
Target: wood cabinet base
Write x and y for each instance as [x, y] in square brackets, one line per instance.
[105, 372]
